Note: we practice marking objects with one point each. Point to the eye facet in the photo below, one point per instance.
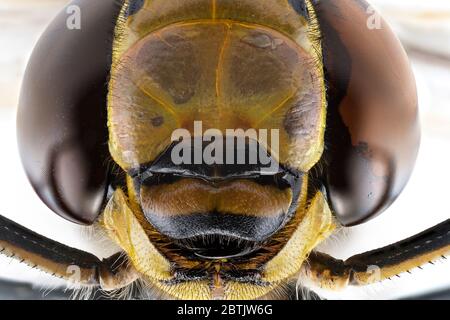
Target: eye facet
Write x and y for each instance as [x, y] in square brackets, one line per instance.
[61, 121]
[372, 125]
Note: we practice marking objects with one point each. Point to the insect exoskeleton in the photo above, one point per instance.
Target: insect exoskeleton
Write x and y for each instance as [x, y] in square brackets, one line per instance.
[219, 142]
[215, 64]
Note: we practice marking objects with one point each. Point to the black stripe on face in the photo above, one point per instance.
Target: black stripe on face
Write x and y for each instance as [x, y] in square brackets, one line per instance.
[300, 7]
[226, 169]
[221, 224]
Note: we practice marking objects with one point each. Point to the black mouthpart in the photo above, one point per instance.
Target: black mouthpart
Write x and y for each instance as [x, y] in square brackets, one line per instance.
[163, 170]
[244, 161]
[217, 247]
[243, 276]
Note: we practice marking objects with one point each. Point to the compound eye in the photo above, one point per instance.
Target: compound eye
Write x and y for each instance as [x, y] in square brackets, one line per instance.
[61, 122]
[372, 127]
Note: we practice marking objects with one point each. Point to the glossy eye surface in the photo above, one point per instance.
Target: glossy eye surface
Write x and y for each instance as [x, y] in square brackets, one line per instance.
[61, 121]
[372, 126]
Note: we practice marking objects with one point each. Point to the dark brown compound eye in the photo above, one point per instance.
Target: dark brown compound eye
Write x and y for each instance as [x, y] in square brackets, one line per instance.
[372, 133]
[62, 132]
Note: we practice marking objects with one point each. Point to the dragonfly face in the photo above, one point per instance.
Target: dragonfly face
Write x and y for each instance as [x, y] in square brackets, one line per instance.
[217, 143]
[217, 223]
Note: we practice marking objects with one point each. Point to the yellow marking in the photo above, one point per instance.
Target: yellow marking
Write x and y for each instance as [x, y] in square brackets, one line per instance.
[387, 272]
[119, 33]
[249, 25]
[123, 227]
[87, 276]
[316, 226]
[159, 36]
[317, 44]
[325, 277]
[163, 103]
[214, 9]
[125, 230]
[282, 104]
[221, 59]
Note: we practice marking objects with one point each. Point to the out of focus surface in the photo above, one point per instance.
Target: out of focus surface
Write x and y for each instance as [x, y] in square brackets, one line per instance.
[424, 28]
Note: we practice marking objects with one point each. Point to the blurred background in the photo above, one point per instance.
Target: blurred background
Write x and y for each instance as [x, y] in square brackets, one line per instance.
[423, 27]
